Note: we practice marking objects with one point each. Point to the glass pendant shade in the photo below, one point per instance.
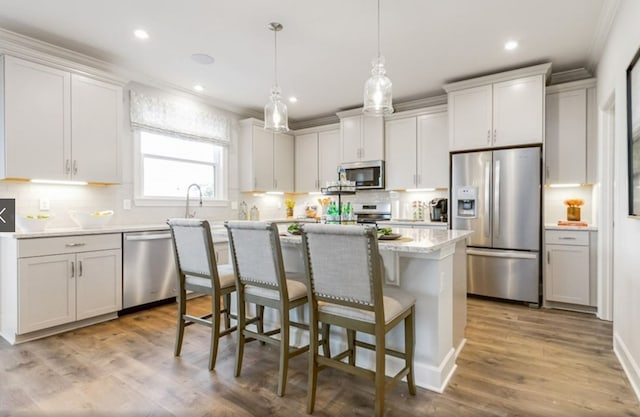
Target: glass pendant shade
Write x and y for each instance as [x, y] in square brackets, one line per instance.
[377, 90]
[275, 112]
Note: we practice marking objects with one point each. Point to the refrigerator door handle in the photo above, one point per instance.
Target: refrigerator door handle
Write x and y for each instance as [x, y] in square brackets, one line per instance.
[487, 196]
[503, 254]
[496, 202]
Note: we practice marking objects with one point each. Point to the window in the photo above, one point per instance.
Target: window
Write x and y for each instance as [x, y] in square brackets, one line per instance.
[168, 164]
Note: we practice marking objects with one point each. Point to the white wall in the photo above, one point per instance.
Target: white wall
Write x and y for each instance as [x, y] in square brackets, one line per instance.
[621, 46]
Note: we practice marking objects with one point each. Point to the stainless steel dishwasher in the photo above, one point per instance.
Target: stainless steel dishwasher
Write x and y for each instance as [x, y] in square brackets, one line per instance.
[148, 269]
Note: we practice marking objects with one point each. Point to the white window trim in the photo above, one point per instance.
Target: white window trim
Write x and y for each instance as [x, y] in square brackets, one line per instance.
[140, 200]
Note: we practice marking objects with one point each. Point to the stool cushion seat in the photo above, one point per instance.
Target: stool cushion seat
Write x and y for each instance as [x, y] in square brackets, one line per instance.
[395, 302]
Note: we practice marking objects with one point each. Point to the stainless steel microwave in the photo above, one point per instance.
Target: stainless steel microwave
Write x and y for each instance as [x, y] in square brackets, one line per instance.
[368, 175]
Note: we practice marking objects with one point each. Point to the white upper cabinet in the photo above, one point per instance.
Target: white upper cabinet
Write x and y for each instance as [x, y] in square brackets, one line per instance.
[265, 158]
[37, 114]
[417, 150]
[570, 156]
[498, 110]
[362, 137]
[96, 109]
[306, 162]
[401, 163]
[317, 156]
[59, 125]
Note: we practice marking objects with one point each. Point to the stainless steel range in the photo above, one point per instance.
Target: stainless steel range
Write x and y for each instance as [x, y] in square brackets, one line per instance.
[372, 212]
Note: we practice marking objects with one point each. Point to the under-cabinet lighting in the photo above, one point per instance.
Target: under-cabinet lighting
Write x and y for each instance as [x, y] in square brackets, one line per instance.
[315, 193]
[198, 88]
[293, 99]
[419, 190]
[56, 182]
[275, 193]
[563, 185]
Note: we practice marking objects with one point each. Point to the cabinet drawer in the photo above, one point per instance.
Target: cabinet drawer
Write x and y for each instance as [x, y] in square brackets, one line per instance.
[68, 244]
[567, 237]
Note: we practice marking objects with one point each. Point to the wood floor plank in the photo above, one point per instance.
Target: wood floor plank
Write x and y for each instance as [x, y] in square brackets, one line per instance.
[517, 361]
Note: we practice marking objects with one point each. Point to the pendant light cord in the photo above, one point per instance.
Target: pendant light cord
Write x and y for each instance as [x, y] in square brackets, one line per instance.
[275, 57]
[378, 29]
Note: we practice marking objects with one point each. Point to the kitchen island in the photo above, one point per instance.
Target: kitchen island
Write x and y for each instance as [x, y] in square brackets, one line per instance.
[430, 264]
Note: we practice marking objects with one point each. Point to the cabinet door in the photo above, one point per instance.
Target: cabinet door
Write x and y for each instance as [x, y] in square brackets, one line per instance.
[567, 274]
[518, 111]
[98, 283]
[306, 163]
[222, 253]
[351, 138]
[283, 162]
[400, 165]
[470, 118]
[433, 151]
[372, 138]
[262, 157]
[37, 119]
[328, 156]
[566, 137]
[95, 129]
[46, 292]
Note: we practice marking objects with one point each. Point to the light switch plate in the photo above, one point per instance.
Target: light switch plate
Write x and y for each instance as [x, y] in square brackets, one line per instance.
[44, 204]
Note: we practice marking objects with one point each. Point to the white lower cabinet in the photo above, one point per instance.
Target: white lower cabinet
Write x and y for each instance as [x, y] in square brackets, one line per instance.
[569, 267]
[61, 280]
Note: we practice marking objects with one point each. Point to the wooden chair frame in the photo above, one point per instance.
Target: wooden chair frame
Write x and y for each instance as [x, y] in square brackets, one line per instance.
[220, 297]
[283, 305]
[378, 329]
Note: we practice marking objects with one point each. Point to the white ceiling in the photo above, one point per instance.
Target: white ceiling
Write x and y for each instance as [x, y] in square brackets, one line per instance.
[326, 47]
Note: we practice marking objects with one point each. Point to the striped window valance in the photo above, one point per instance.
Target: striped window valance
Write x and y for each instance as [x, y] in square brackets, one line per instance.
[178, 117]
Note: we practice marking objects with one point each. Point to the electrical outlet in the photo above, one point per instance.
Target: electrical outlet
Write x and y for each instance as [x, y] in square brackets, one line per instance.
[126, 204]
[44, 204]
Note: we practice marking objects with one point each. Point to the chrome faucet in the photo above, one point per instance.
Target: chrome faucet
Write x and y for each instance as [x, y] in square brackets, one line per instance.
[187, 214]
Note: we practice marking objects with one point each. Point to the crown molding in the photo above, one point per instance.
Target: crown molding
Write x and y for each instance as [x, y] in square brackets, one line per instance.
[571, 86]
[601, 33]
[568, 76]
[315, 122]
[541, 69]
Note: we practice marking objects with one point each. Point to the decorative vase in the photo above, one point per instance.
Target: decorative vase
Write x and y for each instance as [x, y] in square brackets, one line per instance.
[573, 213]
[289, 212]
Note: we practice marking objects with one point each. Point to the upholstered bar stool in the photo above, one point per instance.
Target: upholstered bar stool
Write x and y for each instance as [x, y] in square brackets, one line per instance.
[198, 272]
[345, 290]
[261, 280]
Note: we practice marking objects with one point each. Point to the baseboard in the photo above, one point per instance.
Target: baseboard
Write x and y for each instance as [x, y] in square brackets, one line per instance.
[629, 365]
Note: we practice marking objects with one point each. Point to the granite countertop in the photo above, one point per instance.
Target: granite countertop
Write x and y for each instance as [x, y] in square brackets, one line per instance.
[411, 222]
[422, 240]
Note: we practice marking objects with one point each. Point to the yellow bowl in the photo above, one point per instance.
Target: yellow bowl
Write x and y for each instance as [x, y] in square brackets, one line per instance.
[33, 222]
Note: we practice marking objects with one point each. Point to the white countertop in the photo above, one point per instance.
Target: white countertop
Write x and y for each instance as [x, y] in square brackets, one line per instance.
[422, 240]
[411, 222]
[553, 226]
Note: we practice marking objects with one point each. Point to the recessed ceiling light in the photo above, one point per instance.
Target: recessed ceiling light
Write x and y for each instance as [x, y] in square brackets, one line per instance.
[510, 45]
[141, 34]
[203, 59]
[293, 99]
[198, 87]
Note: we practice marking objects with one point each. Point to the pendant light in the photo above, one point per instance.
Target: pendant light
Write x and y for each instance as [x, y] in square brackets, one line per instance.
[377, 89]
[275, 112]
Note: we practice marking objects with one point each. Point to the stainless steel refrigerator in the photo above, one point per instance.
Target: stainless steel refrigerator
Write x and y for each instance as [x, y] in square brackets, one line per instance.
[497, 194]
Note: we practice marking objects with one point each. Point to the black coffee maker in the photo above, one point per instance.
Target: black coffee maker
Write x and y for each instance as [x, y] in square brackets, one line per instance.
[438, 210]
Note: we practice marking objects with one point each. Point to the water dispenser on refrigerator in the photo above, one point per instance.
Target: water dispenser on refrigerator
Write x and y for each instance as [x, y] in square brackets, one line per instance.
[467, 198]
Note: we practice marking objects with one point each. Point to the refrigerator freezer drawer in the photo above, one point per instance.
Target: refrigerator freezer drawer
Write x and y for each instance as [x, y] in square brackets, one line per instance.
[510, 275]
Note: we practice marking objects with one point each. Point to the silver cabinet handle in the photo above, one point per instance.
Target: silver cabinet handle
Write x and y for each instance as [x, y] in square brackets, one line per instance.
[155, 236]
[73, 269]
[67, 166]
[79, 268]
[489, 136]
[567, 238]
[495, 135]
[75, 167]
[549, 257]
[74, 245]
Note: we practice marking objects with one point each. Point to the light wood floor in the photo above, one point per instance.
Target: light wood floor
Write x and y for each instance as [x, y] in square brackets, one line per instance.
[517, 361]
